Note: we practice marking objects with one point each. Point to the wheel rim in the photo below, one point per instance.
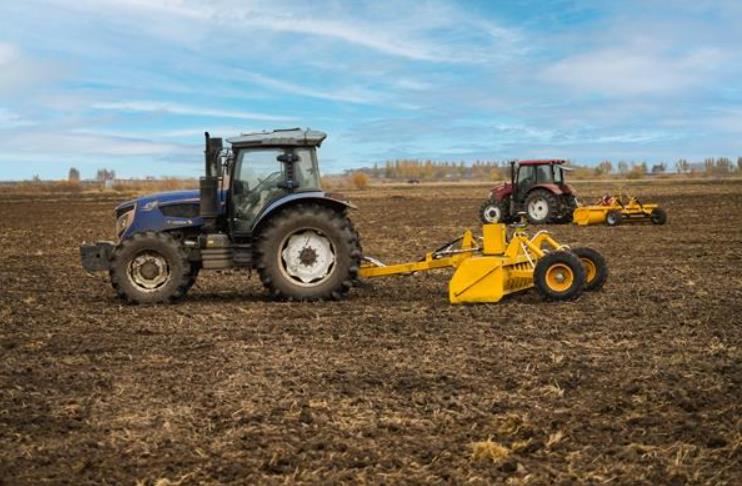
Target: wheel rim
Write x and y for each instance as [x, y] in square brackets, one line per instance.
[538, 209]
[591, 270]
[149, 271]
[559, 277]
[307, 258]
[492, 214]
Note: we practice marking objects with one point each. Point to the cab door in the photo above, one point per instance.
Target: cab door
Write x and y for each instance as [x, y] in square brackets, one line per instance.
[256, 182]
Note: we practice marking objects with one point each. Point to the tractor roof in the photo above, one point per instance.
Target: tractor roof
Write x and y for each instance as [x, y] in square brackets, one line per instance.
[280, 138]
[541, 162]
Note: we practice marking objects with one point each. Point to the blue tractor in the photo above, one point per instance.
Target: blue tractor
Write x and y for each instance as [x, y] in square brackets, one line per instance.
[259, 206]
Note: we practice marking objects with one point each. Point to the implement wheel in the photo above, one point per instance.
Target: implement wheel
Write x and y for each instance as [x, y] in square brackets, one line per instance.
[613, 218]
[559, 276]
[658, 216]
[596, 269]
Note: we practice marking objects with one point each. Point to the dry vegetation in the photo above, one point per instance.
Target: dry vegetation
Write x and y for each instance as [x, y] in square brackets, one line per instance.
[638, 384]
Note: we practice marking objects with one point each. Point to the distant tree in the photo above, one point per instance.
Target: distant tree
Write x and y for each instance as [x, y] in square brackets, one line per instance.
[723, 166]
[605, 167]
[739, 164]
[659, 168]
[104, 175]
[74, 175]
[36, 178]
[623, 167]
[360, 180]
[682, 166]
[637, 171]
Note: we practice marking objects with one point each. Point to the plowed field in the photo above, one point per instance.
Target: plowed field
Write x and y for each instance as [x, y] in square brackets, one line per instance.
[638, 383]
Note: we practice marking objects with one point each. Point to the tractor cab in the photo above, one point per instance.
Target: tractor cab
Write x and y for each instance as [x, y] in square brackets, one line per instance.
[536, 187]
[266, 167]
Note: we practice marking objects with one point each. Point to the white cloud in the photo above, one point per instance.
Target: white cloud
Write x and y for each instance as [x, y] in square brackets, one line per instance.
[20, 73]
[352, 96]
[71, 143]
[179, 109]
[632, 71]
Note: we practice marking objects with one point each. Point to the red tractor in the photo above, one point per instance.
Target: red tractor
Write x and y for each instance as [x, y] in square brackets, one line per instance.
[536, 187]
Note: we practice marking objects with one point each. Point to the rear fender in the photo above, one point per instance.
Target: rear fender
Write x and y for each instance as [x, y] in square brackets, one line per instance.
[294, 199]
[552, 188]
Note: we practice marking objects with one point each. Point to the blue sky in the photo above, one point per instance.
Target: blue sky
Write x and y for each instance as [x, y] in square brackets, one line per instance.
[132, 84]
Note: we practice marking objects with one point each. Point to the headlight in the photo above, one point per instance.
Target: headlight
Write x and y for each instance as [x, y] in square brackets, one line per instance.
[123, 222]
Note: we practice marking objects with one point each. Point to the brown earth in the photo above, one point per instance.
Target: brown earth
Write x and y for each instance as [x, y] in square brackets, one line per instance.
[639, 383]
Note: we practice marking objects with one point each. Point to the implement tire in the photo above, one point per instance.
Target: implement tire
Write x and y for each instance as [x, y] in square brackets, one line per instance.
[559, 276]
[658, 216]
[308, 252]
[596, 268]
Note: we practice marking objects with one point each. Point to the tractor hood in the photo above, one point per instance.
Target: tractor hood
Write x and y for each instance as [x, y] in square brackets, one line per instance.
[161, 198]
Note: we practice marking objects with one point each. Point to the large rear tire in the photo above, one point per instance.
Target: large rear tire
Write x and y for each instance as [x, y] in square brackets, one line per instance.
[559, 276]
[151, 268]
[308, 252]
[541, 206]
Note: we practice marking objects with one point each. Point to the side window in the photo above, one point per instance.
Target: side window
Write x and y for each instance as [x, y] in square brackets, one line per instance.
[305, 170]
[543, 173]
[255, 166]
[258, 174]
[526, 176]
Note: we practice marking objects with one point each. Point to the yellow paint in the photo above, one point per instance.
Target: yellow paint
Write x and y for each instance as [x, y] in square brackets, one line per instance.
[632, 210]
[483, 273]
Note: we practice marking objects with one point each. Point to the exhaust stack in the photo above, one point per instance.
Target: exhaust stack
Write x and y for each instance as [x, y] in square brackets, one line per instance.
[209, 184]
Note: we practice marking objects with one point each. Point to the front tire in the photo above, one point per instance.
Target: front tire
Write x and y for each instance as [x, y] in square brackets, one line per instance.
[308, 252]
[150, 268]
[559, 276]
[541, 206]
[493, 211]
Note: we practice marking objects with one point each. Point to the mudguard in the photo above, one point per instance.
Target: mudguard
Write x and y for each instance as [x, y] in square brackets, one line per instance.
[320, 197]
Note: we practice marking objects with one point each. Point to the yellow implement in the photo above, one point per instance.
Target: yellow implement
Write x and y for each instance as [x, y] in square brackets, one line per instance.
[488, 268]
[614, 210]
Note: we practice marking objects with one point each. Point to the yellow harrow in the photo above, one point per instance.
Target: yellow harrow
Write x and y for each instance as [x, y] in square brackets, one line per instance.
[614, 210]
[488, 268]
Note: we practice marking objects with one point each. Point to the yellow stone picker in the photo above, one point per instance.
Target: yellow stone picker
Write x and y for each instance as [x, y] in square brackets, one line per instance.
[614, 210]
[490, 267]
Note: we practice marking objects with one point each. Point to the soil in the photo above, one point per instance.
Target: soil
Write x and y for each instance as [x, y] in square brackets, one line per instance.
[640, 383]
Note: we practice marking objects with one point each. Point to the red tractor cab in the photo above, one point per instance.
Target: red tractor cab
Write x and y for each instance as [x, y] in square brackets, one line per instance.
[536, 187]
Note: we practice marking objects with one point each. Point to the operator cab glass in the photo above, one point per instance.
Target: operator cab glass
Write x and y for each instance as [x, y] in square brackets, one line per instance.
[544, 174]
[257, 174]
[526, 177]
[558, 175]
[259, 179]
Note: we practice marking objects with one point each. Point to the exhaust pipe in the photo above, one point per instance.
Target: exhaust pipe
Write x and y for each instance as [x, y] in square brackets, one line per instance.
[209, 184]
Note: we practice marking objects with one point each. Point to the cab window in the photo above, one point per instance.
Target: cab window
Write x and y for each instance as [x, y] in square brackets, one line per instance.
[257, 176]
[543, 174]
